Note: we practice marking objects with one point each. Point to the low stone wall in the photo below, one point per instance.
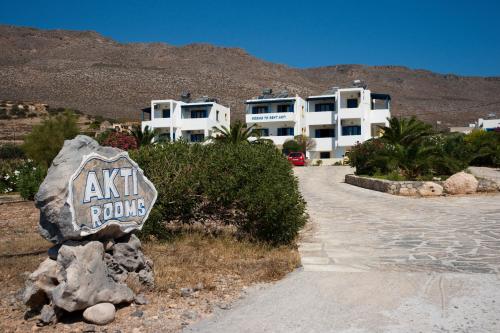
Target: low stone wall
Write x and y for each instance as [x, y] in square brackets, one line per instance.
[405, 188]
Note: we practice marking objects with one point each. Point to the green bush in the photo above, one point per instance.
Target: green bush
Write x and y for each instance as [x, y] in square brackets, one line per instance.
[29, 179]
[46, 140]
[11, 151]
[249, 186]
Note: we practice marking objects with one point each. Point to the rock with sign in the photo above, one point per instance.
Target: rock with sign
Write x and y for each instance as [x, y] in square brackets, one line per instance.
[93, 191]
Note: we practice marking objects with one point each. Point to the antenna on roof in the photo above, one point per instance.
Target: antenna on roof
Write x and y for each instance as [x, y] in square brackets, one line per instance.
[186, 96]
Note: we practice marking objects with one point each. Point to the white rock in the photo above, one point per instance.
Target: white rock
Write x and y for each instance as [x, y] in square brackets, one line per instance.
[461, 183]
[100, 314]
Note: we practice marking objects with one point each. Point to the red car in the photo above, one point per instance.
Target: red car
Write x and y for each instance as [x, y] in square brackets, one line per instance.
[296, 158]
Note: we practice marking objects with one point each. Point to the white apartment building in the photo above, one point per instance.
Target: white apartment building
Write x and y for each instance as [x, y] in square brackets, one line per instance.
[336, 120]
[341, 118]
[278, 117]
[192, 121]
[489, 124]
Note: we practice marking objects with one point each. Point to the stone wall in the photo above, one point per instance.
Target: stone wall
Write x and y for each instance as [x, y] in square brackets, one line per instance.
[405, 188]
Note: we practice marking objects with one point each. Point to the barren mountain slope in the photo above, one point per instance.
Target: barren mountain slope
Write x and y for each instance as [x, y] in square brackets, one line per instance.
[97, 75]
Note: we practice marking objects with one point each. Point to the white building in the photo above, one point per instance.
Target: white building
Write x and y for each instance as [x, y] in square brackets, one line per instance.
[488, 124]
[344, 117]
[192, 121]
[278, 117]
[336, 120]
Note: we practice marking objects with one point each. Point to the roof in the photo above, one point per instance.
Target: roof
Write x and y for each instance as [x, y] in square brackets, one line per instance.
[270, 100]
[187, 105]
[320, 97]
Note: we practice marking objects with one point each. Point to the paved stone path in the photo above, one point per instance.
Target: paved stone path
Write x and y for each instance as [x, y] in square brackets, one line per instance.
[358, 230]
[373, 262]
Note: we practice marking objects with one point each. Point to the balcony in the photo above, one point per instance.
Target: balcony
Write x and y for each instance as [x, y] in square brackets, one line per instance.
[350, 113]
[270, 117]
[324, 144]
[349, 140]
[321, 118]
[158, 123]
[191, 124]
[278, 140]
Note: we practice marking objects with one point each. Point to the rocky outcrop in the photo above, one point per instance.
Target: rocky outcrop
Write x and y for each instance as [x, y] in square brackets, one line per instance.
[430, 189]
[461, 183]
[403, 188]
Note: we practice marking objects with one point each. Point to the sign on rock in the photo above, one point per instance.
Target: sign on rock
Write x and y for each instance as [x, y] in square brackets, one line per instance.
[109, 191]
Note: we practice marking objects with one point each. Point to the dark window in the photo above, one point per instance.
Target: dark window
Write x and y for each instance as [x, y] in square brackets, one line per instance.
[262, 131]
[352, 103]
[351, 130]
[324, 154]
[146, 115]
[165, 113]
[197, 137]
[324, 133]
[198, 113]
[285, 108]
[259, 109]
[284, 131]
[217, 116]
[324, 107]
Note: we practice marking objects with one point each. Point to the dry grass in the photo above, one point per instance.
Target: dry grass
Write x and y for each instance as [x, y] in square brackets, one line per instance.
[214, 260]
[197, 258]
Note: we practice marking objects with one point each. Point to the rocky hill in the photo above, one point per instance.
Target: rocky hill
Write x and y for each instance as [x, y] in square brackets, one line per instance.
[86, 71]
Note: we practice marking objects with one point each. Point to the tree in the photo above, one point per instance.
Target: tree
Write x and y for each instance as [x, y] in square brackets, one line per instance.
[300, 143]
[236, 133]
[143, 137]
[46, 140]
[405, 131]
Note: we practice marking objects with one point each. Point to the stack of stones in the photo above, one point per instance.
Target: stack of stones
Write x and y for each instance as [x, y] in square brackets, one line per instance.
[84, 271]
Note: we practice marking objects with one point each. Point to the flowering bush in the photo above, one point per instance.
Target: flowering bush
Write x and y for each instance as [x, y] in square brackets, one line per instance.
[120, 140]
[23, 176]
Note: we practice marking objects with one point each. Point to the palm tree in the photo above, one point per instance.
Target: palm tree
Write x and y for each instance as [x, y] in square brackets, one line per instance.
[143, 137]
[405, 131]
[236, 133]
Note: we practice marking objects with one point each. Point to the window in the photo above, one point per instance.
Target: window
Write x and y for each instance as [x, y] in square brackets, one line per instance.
[284, 131]
[324, 133]
[198, 113]
[259, 109]
[285, 108]
[262, 131]
[217, 116]
[197, 137]
[324, 107]
[165, 113]
[324, 154]
[352, 103]
[351, 130]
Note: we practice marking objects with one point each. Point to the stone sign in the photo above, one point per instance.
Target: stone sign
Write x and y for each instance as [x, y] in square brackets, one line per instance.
[105, 191]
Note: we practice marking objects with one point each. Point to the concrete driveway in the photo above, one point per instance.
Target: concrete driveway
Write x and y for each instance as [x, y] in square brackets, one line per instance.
[373, 262]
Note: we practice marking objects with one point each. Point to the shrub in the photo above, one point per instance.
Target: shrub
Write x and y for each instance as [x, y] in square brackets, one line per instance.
[120, 140]
[11, 151]
[249, 186]
[486, 147]
[367, 157]
[29, 179]
[46, 140]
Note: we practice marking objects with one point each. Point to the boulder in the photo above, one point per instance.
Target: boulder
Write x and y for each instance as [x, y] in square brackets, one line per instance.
[55, 214]
[84, 278]
[428, 189]
[100, 314]
[40, 285]
[128, 254]
[461, 183]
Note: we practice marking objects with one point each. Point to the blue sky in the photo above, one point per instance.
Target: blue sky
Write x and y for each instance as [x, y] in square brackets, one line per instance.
[461, 37]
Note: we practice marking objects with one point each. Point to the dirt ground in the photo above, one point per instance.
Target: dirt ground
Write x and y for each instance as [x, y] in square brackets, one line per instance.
[219, 268]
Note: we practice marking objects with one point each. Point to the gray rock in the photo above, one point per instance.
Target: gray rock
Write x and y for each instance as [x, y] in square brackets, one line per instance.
[84, 280]
[140, 299]
[48, 315]
[137, 314]
[186, 292]
[100, 314]
[428, 189]
[55, 215]
[128, 254]
[190, 314]
[40, 284]
[53, 252]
